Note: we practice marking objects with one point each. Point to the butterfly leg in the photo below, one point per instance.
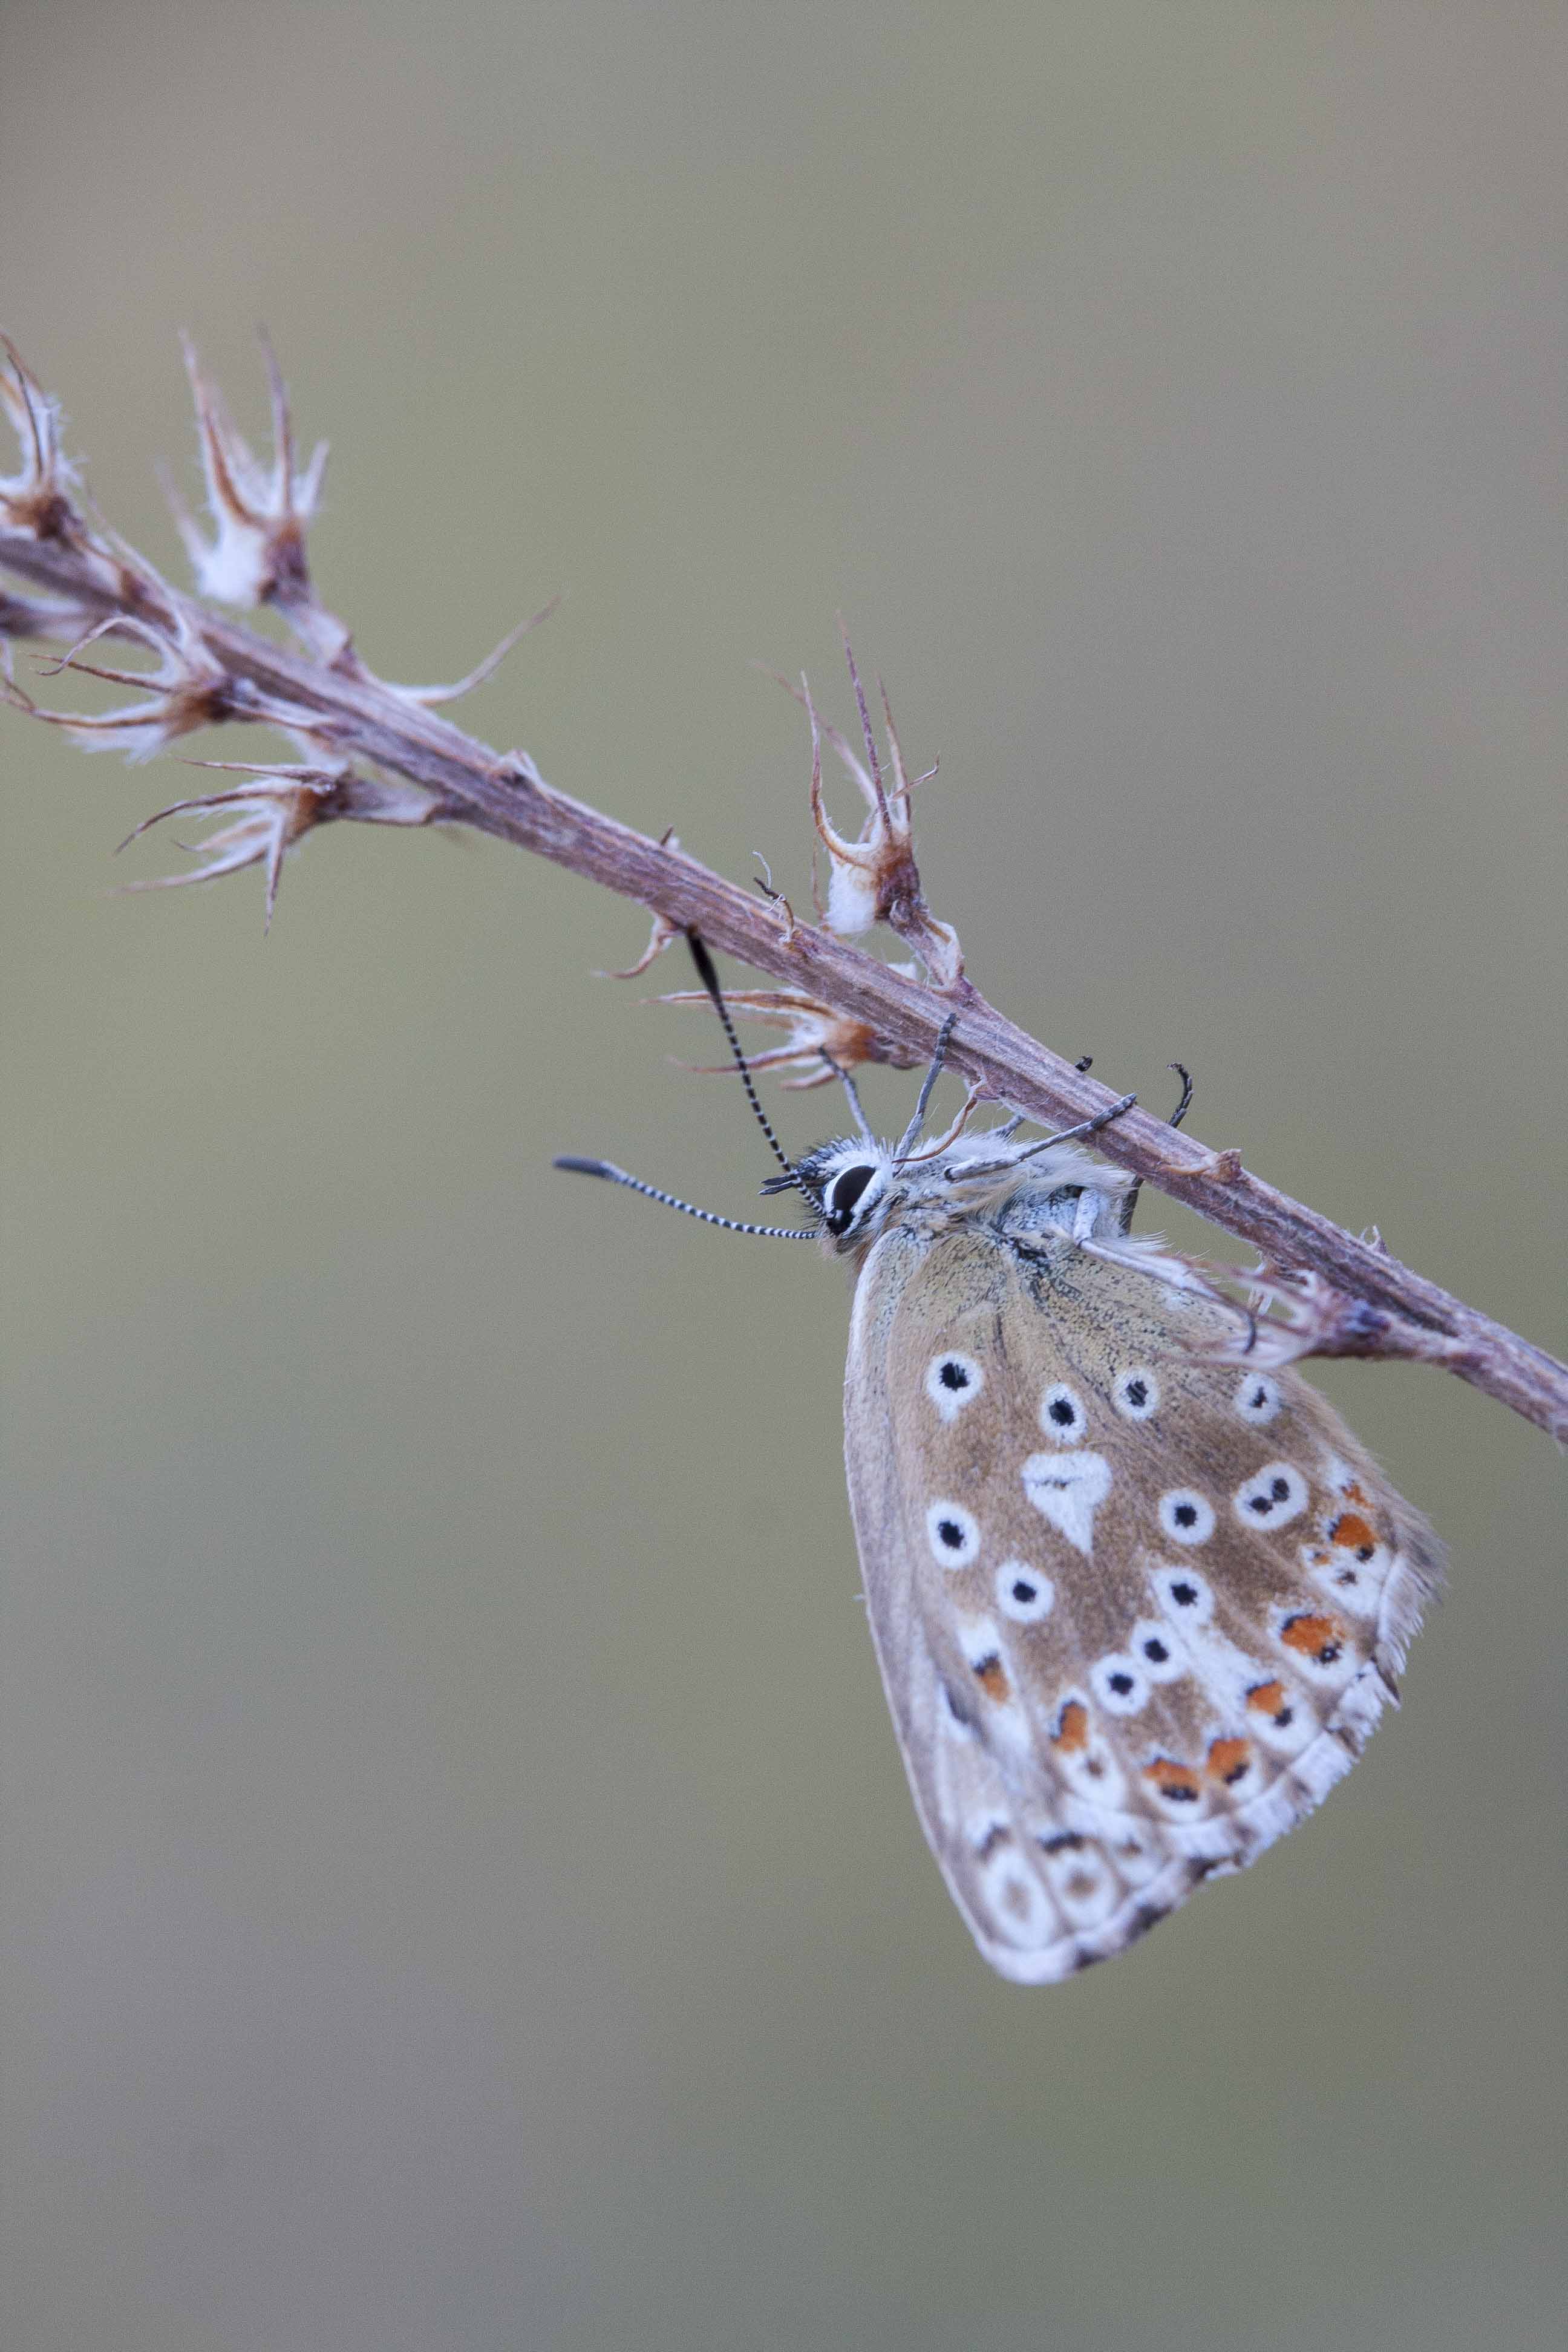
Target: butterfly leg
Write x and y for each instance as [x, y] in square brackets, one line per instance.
[851, 1095]
[912, 1133]
[1086, 1210]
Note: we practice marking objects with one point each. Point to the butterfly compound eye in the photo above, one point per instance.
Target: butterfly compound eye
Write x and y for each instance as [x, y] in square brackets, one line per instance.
[842, 1195]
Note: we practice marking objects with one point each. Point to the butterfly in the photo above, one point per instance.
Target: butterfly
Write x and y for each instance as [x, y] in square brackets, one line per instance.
[1137, 1605]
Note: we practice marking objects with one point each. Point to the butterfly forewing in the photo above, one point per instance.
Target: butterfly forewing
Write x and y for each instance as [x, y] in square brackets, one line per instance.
[1136, 1609]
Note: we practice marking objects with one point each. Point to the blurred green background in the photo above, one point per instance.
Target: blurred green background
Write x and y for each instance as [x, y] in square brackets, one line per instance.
[460, 1889]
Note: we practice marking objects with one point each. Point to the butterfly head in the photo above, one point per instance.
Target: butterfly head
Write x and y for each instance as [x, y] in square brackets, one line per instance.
[848, 1182]
[857, 1184]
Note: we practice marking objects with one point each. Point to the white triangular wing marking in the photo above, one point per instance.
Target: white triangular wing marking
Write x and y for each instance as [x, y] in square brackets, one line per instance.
[1068, 1489]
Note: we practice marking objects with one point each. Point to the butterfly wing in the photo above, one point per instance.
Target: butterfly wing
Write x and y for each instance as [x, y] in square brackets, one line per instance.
[1136, 1609]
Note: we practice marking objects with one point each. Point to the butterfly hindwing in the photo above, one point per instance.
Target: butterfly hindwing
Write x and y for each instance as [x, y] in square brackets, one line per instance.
[1136, 1609]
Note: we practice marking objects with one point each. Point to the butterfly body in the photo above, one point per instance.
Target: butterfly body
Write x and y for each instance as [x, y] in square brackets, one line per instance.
[1136, 1608]
[1137, 1601]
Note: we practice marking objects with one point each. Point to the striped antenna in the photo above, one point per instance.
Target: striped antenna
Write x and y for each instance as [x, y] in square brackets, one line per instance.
[710, 978]
[613, 1175]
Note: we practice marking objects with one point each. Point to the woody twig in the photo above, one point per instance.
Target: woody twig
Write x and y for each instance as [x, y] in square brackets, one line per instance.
[371, 751]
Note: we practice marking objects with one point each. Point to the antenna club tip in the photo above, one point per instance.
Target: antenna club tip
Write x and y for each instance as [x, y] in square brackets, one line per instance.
[579, 1167]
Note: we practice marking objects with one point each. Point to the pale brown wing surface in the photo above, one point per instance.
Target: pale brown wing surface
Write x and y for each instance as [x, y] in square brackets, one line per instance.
[1136, 1609]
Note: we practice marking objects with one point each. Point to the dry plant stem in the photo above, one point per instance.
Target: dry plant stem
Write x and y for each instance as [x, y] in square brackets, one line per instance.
[1379, 1307]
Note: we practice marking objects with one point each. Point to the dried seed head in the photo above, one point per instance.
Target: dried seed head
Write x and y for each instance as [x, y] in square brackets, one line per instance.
[258, 555]
[813, 1030]
[874, 878]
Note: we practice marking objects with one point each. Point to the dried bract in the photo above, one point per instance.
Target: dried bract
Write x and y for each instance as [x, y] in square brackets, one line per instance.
[187, 688]
[659, 937]
[431, 696]
[50, 617]
[1298, 1313]
[271, 815]
[34, 500]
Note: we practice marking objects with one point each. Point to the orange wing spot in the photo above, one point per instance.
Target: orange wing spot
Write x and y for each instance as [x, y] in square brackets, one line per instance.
[1353, 1491]
[1072, 1731]
[1269, 1699]
[1228, 1759]
[991, 1676]
[1320, 1638]
[1352, 1533]
[1177, 1781]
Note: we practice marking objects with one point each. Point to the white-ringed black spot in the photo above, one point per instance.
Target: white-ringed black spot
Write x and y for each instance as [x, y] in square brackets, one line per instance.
[1259, 1399]
[1118, 1684]
[1184, 1595]
[1187, 1516]
[1024, 1593]
[1159, 1650]
[1272, 1497]
[952, 1381]
[1062, 1414]
[953, 1533]
[1136, 1394]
